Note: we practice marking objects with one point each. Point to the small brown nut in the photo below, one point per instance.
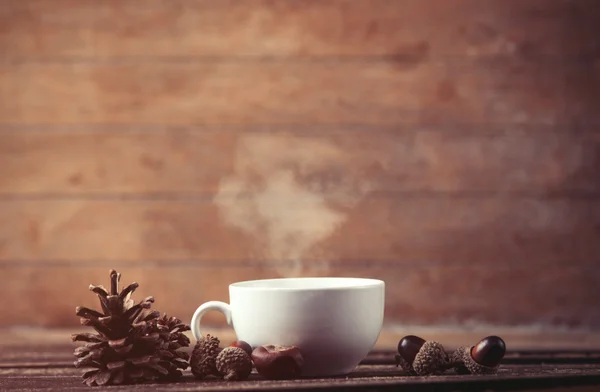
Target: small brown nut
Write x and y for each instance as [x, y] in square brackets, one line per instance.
[204, 355]
[278, 362]
[457, 361]
[234, 364]
[243, 345]
[431, 359]
[420, 357]
[408, 347]
[489, 351]
[485, 356]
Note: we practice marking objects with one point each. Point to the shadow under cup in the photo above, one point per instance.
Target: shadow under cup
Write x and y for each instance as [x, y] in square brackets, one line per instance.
[334, 322]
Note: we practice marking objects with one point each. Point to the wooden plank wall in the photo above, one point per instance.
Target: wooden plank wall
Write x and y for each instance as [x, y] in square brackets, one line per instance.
[449, 147]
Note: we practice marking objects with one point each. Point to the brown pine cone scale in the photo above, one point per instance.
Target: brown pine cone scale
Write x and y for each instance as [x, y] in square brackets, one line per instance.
[132, 343]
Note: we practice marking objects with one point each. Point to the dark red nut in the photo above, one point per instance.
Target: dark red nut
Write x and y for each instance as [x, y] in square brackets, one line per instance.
[409, 346]
[243, 345]
[277, 362]
[420, 357]
[489, 351]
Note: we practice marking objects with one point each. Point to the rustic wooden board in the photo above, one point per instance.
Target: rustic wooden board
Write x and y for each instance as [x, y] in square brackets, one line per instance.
[60, 356]
[283, 223]
[403, 28]
[365, 377]
[462, 297]
[37, 346]
[449, 147]
[95, 161]
[326, 92]
[104, 161]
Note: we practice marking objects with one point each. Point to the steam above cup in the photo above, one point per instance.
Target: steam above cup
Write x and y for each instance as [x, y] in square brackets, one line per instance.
[334, 322]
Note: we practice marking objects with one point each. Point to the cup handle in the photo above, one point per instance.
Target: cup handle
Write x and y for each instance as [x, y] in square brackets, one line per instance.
[205, 308]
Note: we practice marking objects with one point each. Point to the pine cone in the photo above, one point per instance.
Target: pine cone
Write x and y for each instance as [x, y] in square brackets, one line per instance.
[133, 344]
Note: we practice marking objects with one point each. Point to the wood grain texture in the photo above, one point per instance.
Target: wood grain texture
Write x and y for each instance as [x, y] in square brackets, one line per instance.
[37, 345]
[450, 147]
[299, 232]
[403, 28]
[399, 159]
[382, 376]
[349, 92]
[105, 161]
[564, 377]
[459, 296]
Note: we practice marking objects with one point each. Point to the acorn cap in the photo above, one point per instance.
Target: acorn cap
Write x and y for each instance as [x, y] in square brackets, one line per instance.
[234, 364]
[204, 356]
[474, 367]
[404, 365]
[431, 359]
[457, 360]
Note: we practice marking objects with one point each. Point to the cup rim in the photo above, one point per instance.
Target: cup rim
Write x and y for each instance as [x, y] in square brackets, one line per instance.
[353, 283]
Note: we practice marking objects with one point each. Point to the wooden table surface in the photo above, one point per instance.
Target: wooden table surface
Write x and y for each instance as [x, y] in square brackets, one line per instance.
[42, 364]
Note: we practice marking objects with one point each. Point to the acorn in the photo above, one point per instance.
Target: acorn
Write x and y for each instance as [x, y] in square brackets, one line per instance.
[420, 357]
[485, 356]
[457, 361]
[204, 356]
[278, 362]
[243, 345]
[234, 364]
[408, 347]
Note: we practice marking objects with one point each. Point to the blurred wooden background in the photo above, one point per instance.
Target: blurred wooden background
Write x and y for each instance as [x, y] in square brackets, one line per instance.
[449, 147]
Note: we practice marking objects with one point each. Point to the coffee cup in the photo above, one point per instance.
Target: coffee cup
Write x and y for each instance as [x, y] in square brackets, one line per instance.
[334, 322]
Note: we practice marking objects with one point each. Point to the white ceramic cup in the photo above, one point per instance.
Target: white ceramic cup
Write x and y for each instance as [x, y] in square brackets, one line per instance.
[334, 322]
